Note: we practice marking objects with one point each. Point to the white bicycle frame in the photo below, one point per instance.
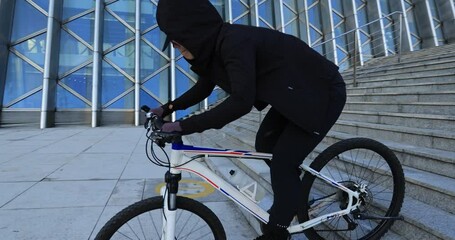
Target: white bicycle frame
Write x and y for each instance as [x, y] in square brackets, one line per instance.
[179, 161]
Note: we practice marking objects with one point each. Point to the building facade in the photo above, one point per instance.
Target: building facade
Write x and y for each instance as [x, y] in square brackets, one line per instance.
[95, 62]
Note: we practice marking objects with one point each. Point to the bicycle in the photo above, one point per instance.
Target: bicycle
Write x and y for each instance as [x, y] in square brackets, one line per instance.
[354, 190]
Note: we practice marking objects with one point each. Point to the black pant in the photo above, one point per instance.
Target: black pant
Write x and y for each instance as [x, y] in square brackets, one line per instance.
[289, 145]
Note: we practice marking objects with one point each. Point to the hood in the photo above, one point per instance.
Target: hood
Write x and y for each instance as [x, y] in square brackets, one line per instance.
[194, 24]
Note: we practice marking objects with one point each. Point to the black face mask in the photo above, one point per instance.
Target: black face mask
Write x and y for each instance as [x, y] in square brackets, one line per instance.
[194, 24]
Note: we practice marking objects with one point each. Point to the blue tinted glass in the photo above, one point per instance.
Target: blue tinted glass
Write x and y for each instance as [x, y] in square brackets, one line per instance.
[385, 7]
[314, 35]
[238, 8]
[151, 61]
[114, 31]
[292, 28]
[245, 20]
[72, 53]
[148, 14]
[159, 86]
[33, 101]
[65, 99]
[123, 57]
[21, 78]
[156, 37]
[113, 83]
[310, 2]
[267, 13]
[44, 4]
[33, 49]
[24, 14]
[146, 99]
[183, 83]
[337, 5]
[186, 67]
[291, 3]
[84, 27]
[314, 16]
[288, 14]
[81, 82]
[126, 102]
[125, 9]
[337, 19]
[71, 7]
[216, 96]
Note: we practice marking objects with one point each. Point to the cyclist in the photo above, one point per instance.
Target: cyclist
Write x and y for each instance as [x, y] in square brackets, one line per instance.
[257, 67]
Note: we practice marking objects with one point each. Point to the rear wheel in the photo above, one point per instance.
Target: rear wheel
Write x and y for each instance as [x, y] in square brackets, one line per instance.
[362, 165]
[144, 220]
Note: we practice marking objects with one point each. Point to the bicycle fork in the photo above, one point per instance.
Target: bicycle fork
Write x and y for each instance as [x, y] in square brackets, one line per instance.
[169, 194]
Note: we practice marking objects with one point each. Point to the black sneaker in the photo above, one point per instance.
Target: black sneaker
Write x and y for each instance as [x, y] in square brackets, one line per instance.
[275, 235]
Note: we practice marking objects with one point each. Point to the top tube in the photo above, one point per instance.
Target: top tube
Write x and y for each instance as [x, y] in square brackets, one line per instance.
[218, 152]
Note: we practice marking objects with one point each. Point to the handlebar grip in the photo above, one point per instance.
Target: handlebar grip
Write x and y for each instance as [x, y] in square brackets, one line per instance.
[145, 108]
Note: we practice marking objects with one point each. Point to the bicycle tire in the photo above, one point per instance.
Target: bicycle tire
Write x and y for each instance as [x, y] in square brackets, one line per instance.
[339, 157]
[189, 211]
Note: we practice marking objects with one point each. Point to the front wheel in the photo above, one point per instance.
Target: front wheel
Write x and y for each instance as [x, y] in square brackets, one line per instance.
[144, 220]
[362, 165]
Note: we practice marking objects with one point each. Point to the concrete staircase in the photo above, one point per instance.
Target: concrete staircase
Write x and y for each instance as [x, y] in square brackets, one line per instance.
[407, 103]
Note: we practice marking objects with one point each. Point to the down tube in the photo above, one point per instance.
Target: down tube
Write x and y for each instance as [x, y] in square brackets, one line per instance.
[226, 188]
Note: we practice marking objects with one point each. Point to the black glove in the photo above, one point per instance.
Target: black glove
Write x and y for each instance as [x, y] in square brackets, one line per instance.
[172, 127]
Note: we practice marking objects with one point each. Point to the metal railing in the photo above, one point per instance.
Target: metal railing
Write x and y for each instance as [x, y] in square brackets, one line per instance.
[363, 44]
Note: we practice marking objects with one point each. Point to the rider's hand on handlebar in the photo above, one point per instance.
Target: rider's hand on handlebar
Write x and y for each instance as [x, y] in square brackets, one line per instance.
[157, 111]
[171, 127]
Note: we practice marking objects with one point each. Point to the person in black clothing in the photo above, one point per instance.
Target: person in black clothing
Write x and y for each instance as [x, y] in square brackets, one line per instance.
[257, 67]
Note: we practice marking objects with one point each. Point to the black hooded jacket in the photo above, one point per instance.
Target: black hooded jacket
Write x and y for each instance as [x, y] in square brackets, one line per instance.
[256, 66]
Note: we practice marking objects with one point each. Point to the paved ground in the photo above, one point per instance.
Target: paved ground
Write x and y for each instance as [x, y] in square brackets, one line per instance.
[66, 182]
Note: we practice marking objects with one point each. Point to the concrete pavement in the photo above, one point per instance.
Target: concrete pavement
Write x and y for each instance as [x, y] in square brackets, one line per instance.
[66, 182]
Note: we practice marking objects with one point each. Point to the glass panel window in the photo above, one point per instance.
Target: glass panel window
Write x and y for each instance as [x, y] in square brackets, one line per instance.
[113, 84]
[33, 49]
[44, 4]
[183, 83]
[125, 9]
[84, 27]
[81, 82]
[157, 38]
[32, 101]
[158, 86]
[21, 78]
[151, 61]
[71, 7]
[267, 13]
[114, 31]
[66, 99]
[239, 7]
[148, 12]
[24, 14]
[72, 53]
[123, 57]
[126, 102]
[146, 99]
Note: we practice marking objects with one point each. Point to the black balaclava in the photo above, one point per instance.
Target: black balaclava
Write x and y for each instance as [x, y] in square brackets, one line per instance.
[194, 24]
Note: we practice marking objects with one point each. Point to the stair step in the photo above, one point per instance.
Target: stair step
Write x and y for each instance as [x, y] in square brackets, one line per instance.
[421, 64]
[403, 88]
[386, 79]
[444, 122]
[424, 186]
[421, 219]
[425, 159]
[443, 96]
[428, 138]
[442, 108]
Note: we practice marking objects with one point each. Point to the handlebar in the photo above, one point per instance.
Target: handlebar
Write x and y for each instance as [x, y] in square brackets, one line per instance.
[155, 123]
